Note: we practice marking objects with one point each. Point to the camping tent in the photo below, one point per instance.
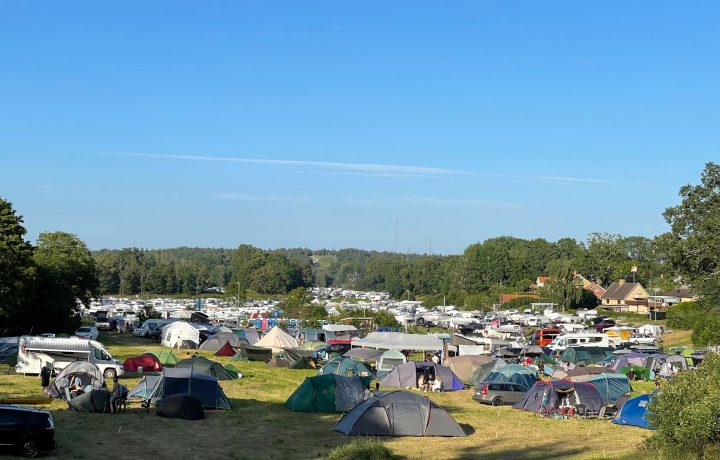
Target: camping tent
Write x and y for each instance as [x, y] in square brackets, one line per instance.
[513, 373]
[144, 388]
[278, 362]
[277, 339]
[465, 366]
[545, 397]
[327, 393]
[610, 386]
[406, 376]
[180, 334]
[250, 335]
[347, 367]
[398, 413]
[388, 360]
[311, 345]
[189, 381]
[181, 406]
[299, 359]
[633, 412]
[91, 401]
[252, 353]
[215, 342]
[166, 357]
[483, 370]
[579, 373]
[639, 372]
[225, 350]
[205, 366]
[88, 373]
[585, 355]
[367, 354]
[145, 363]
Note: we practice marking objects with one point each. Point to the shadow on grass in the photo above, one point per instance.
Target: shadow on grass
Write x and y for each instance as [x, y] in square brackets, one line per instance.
[537, 452]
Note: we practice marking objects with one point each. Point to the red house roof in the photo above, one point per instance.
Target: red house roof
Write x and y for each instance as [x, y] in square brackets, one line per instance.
[508, 297]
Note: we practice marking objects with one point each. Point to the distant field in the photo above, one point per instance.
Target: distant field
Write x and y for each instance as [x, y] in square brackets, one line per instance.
[259, 425]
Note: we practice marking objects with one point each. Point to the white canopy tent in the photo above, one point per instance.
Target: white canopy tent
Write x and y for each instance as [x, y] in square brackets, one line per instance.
[177, 334]
[399, 341]
[277, 339]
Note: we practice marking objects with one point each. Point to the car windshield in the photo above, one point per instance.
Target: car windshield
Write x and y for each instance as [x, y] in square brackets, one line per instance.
[84, 329]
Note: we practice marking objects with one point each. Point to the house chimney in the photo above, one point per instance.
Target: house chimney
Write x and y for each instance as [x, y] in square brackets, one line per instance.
[621, 282]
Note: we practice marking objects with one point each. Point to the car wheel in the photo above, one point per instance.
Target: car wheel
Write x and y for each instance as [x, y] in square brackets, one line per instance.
[636, 342]
[497, 401]
[655, 342]
[109, 374]
[30, 449]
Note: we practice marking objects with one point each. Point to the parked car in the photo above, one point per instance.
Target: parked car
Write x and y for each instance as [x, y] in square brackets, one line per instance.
[29, 431]
[87, 332]
[640, 339]
[7, 352]
[498, 394]
[604, 324]
[106, 324]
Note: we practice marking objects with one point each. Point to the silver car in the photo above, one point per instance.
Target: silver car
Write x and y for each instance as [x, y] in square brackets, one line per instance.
[498, 394]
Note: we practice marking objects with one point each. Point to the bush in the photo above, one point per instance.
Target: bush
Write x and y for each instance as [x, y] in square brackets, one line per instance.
[362, 449]
[706, 330]
[683, 315]
[686, 412]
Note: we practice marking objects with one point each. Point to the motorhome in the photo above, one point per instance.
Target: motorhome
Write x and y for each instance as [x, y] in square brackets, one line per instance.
[579, 339]
[572, 327]
[544, 336]
[35, 352]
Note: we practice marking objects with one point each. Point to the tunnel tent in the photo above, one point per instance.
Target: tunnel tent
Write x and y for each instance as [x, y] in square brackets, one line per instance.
[398, 413]
[327, 393]
[406, 376]
[634, 412]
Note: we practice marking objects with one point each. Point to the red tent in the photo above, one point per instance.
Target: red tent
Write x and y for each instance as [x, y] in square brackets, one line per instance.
[146, 362]
[225, 350]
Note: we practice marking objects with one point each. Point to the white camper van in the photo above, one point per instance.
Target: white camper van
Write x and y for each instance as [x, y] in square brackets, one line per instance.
[579, 339]
[35, 352]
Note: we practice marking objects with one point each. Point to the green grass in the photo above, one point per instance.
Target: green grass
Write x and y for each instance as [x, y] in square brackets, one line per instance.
[259, 425]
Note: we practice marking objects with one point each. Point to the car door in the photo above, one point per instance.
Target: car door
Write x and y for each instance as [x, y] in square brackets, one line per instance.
[516, 393]
[9, 424]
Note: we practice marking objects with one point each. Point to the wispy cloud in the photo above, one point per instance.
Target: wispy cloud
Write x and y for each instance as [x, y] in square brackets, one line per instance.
[570, 179]
[436, 202]
[260, 198]
[365, 168]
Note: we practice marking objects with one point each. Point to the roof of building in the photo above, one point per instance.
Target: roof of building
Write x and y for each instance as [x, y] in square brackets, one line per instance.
[509, 297]
[680, 292]
[620, 290]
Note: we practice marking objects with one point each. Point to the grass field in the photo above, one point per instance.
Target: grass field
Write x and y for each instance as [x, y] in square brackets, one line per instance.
[259, 425]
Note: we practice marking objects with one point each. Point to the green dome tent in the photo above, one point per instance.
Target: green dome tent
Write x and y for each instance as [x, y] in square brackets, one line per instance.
[327, 393]
[205, 366]
[166, 358]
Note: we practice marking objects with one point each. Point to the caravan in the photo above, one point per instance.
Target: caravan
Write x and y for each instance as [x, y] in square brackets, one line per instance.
[35, 352]
[578, 339]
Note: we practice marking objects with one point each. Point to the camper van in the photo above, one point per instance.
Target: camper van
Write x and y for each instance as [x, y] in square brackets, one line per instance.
[35, 352]
[579, 339]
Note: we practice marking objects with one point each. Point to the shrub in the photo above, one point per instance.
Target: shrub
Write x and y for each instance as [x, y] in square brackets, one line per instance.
[686, 412]
[706, 330]
[362, 449]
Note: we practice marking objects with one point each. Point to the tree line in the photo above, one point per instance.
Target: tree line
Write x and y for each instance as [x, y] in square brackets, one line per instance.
[688, 254]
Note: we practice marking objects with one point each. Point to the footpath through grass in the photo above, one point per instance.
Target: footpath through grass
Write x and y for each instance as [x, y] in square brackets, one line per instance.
[259, 425]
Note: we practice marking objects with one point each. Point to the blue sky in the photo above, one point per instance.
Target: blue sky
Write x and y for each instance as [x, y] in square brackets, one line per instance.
[319, 124]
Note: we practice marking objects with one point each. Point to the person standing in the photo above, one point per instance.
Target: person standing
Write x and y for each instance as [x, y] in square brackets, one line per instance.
[45, 378]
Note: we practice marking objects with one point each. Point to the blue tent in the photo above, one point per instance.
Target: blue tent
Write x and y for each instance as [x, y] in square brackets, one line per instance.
[633, 412]
[610, 386]
[514, 373]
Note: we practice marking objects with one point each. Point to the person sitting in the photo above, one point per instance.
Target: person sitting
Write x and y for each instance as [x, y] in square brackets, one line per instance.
[118, 397]
[436, 385]
[428, 379]
[77, 388]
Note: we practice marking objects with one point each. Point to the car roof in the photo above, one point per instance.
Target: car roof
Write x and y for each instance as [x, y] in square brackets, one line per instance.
[23, 409]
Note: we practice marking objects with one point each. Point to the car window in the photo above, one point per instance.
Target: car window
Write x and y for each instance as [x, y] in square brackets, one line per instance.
[8, 416]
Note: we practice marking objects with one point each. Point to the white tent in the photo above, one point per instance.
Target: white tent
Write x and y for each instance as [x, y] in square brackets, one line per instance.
[277, 339]
[399, 341]
[180, 334]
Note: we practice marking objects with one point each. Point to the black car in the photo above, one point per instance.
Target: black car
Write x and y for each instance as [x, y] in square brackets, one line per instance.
[7, 352]
[28, 430]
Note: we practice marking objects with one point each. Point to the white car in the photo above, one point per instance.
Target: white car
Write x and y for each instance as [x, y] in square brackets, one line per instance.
[87, 332]
[638, 339]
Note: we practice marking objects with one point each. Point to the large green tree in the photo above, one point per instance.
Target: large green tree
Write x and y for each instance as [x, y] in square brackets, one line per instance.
[67, 277]
[560, 287]
[17, 269]
[695, 234]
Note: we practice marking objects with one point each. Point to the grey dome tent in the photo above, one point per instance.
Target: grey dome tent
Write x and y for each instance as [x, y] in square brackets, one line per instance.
[205, 366]
[215, 342]
[250, 353]
[144, 387]
[188, 381]
[398, 413]
[87, 372]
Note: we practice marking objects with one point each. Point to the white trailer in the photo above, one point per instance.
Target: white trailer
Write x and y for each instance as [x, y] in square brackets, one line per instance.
[35, 352]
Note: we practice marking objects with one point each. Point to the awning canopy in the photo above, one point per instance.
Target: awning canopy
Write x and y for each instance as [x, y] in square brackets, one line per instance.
[399, 341]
